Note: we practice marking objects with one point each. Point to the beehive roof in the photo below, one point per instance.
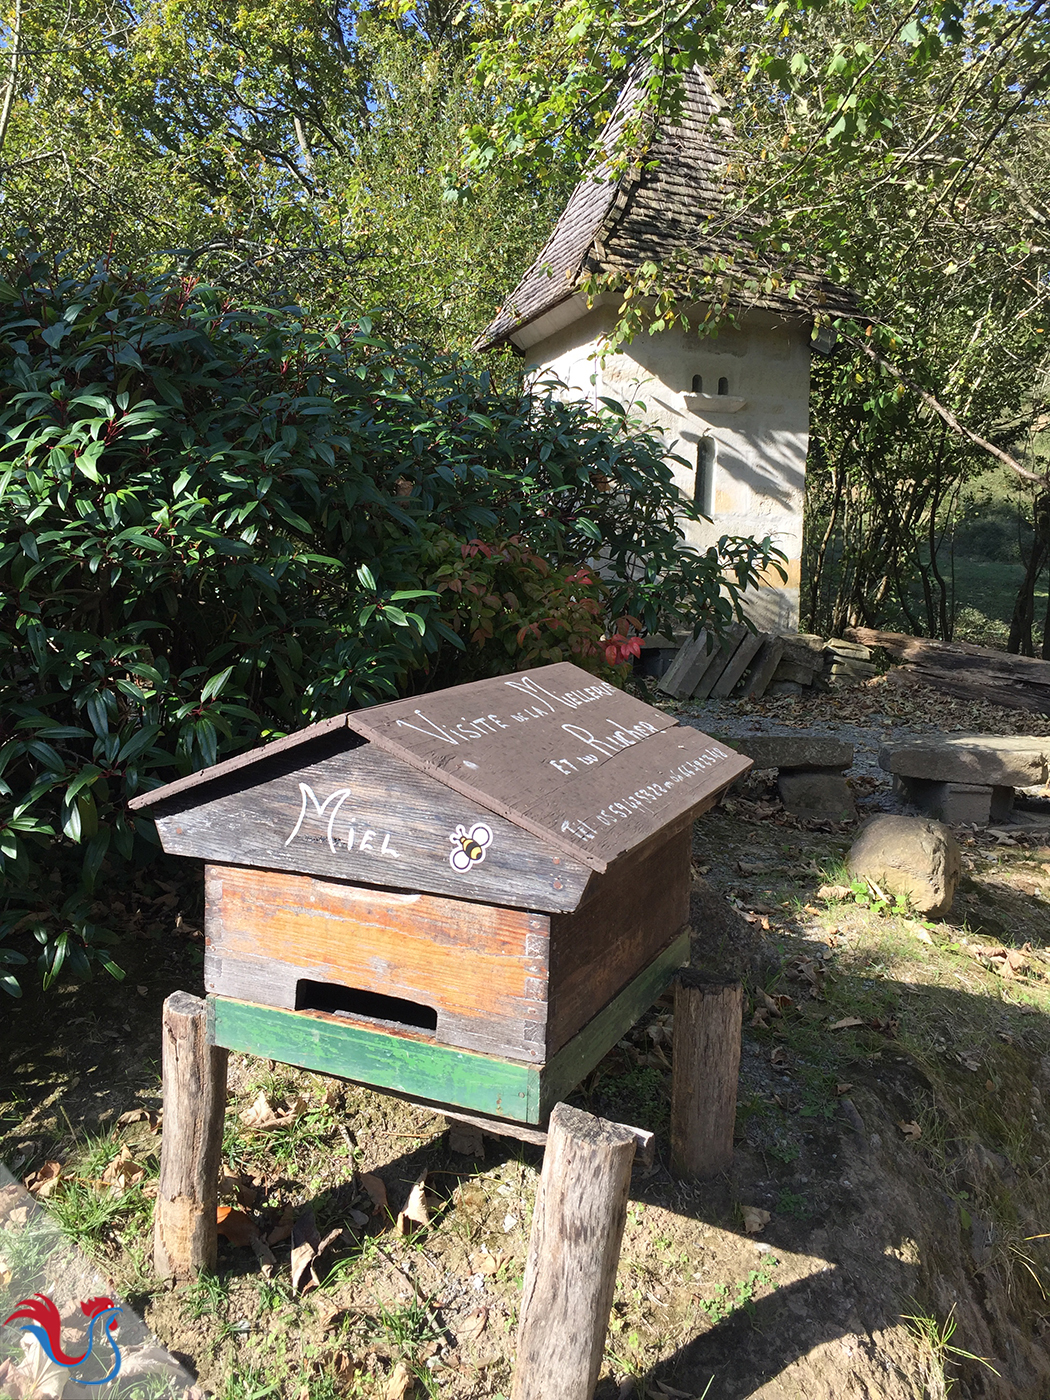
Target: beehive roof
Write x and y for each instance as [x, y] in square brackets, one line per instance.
[673, 212]
[590, 771]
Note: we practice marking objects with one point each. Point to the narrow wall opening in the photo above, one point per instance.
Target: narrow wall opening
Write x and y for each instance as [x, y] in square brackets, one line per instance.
[704, 487]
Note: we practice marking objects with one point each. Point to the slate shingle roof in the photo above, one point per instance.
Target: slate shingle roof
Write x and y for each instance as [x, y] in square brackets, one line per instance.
[672, 215]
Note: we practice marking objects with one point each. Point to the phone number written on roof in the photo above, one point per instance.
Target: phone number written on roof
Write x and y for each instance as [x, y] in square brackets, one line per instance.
[626, 808]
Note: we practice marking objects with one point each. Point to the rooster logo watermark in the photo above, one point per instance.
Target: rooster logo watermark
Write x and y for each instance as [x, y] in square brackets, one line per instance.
[46, 1326]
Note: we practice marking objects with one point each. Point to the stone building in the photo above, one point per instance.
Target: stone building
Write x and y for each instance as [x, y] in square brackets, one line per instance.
[734, 404]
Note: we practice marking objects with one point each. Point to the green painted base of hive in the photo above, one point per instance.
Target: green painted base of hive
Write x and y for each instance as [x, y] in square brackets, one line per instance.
[419, 1068]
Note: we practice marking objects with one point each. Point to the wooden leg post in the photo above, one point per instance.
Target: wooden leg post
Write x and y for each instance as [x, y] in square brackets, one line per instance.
[194, 1086]
[574, 1248]
[706, 1058]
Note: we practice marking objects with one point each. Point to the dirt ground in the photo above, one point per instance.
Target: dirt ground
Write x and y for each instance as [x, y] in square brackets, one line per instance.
[891, 1122]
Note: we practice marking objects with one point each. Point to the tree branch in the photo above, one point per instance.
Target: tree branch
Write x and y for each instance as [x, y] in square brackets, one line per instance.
[944, 413]
[12, 73]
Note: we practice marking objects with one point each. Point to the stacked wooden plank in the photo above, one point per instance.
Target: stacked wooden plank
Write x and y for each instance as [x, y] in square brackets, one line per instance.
[706, 667]
[752, 664]
[970, 672]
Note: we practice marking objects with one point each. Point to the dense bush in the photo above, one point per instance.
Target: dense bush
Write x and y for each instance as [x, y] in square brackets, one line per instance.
[217, 524]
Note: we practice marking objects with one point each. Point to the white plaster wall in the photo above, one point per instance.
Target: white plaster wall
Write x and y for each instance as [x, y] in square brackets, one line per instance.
[760, 450]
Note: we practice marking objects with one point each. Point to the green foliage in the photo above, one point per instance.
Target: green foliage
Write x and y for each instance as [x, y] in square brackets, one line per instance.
[216, 525]
[291, 150]
[726, 1302]
[513, 607]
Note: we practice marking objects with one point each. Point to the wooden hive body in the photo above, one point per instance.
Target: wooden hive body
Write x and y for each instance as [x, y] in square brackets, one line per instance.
[469, 895]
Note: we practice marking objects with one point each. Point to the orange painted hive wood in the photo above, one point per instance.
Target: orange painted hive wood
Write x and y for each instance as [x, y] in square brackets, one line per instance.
[499, 869]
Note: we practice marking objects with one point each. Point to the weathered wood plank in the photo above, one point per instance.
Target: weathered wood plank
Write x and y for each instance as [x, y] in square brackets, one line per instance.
[408, 1064]
[571, 1065]
[727, 649]
[1008, 691]
[738, 664]
[574, 1247]
[928, 651]
[573, 760]
[644, 1139]
[194, 1089]
[482, 969]
[303, 740]
[764, 668]
[367, 817]
[599, 949]
[687, 669]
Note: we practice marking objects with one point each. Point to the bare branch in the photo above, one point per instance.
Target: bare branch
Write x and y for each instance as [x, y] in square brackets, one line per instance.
[945, 413]
[12, 73]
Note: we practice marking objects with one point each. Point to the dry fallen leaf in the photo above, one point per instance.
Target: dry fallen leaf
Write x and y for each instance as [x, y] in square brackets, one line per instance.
[415, 1211]
[912, 1131]
[482, 1263]
[35, 1377]
[41, 1183]
[775, 1005]
[346, 1367]
[466, 1139]
[376, 1191]
[400, 1383]
[263, 1115]
[754, 1218]
[834, 892]
[146, 1359]
[235, 1226]
[153, 1116]
[264, 1254]
[283, 1229]
[846, 1023]
[123, 1172]
[305, 1243]
[778, 1056]
[473, 1325]
[11, 1197]
[307, 1248]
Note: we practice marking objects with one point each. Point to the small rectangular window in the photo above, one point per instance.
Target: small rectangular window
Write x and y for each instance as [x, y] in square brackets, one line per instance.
[704, 489]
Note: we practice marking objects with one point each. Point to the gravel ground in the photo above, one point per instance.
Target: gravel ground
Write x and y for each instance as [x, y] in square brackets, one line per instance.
[716, 717]
[735, 720]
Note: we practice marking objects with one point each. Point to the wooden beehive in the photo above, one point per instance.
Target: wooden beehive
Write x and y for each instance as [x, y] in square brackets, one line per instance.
[466, 897]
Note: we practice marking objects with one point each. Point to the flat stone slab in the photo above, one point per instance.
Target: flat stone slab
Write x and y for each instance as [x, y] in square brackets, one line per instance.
[795, 751]
[1016, 760]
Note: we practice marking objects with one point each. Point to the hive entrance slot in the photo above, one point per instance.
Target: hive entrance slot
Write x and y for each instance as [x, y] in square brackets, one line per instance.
[368, 1006]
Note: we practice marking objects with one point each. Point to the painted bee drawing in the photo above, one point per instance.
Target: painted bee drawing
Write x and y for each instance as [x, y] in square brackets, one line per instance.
[469, 846]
